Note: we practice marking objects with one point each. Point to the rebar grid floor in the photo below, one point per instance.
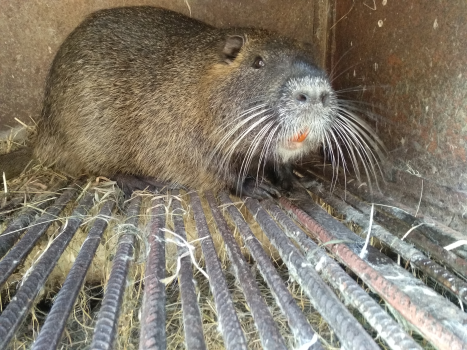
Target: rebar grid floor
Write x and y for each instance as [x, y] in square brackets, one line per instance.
[369, 298]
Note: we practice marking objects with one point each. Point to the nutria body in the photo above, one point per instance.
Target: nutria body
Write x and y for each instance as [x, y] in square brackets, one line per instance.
[148, 92]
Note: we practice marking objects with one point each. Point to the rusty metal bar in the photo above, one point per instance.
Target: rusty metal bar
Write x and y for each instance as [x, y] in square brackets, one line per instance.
[423, 308]
[416, 258]
[437, 252]
[106, 327]
[10, 205]
[389, 330]
[16, 228]
[439, 233]
[268, 332]
[19, 252]
[228, 322]
[421, 241]
[192, 322]
[19, 307]
[348, 330]
[428, 236]
[152, 334]
[51, 332]
[301, 329]
[36, 199]
[435, 230]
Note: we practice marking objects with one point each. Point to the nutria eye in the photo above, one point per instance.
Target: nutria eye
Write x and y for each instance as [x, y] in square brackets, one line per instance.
[259, 63]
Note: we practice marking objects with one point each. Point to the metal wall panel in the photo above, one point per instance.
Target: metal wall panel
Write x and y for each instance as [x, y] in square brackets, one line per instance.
[411, 58]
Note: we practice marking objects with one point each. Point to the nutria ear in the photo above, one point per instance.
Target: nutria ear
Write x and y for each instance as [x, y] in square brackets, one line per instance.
[232, 46]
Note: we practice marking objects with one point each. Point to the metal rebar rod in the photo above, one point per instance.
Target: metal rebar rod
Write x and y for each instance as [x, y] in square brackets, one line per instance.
[105, 332]
[406, 250]
[19, 252]
[387, 328]
[192, 322]
[421, 237]
[348, 330]
[19, 307]
[301, 329]
[438, 232]
[152, 334]
[267, 329]
[51, 332]
[228, 321]
[418, 304]
[16, 228]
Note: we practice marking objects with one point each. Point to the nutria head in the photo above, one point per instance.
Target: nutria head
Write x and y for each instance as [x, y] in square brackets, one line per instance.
[273, 103]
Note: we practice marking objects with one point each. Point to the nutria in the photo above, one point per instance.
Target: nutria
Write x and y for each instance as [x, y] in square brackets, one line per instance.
[148, 92]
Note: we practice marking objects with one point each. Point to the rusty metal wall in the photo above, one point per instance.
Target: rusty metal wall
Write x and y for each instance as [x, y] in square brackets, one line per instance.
[411, 57]
[31, 32]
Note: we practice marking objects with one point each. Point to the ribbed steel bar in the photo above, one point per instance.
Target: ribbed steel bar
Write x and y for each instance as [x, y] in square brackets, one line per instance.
[426, 234]
[421, 241]
[438, 232]
[348, 330]
[51, 332]
[406, 250]
[152, 334]
[8, 206]
[16, 228]
[17, 254]
[228, 322]
[301, 329]
[192, 322]
[23, 200]
[105, 331]
[20, 305]
[267, 329]
[387, 328]
[438, 320]
[429, 242]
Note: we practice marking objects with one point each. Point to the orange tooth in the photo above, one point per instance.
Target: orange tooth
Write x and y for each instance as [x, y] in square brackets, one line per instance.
[300, 137]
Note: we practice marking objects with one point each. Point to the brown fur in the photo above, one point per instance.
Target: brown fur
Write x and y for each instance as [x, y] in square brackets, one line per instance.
[144, 91]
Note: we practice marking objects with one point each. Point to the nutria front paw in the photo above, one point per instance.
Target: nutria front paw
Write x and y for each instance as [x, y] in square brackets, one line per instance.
[283, 177]
[263, 190]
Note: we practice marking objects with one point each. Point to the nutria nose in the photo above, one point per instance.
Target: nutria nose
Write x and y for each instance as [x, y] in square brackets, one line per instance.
[304, 97]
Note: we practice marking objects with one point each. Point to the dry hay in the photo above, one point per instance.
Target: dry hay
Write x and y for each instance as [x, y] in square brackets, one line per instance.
[16, 137]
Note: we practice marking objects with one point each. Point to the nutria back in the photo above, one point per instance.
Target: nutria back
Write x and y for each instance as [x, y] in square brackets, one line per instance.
[150, 92]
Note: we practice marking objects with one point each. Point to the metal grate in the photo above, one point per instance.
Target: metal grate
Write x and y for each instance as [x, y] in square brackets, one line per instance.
[293, 226]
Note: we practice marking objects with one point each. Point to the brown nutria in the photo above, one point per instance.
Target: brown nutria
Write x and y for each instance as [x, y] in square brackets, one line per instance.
[148, 92]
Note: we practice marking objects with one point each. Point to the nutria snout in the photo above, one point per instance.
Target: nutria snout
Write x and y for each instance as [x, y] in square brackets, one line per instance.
[149, 92]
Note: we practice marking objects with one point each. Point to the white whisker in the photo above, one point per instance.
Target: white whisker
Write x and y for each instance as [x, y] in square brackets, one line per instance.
[251, 150]
[265, 150]
[236, 142]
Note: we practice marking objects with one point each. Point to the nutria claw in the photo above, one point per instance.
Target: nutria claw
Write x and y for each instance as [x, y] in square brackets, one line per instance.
[282, 177]
[263, 190]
